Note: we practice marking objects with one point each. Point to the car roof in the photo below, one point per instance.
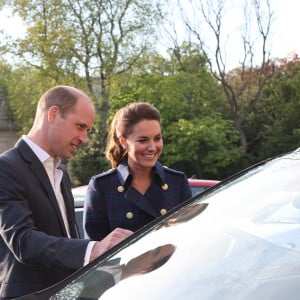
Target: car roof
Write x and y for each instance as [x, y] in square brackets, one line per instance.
[202, 182]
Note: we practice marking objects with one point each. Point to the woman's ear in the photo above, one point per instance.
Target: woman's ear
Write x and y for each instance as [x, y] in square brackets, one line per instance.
[122, 140]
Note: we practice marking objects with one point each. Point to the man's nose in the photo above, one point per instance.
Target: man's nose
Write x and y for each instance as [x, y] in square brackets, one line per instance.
[84, 137]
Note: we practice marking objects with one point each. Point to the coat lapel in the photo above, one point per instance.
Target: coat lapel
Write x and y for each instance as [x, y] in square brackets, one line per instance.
[69, 203]
[153, 206]
[140, 201]
[131, 194]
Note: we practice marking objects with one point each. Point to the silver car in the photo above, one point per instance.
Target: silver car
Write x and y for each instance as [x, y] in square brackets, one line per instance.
[239, 239]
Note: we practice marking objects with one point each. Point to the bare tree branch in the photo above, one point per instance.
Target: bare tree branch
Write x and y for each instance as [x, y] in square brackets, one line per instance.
[243, 86]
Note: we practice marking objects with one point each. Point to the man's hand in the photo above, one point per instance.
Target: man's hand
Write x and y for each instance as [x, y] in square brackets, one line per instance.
[112, 239]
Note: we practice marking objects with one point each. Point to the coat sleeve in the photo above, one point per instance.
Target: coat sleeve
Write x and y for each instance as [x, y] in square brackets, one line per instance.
[186, 192]
[95, 219]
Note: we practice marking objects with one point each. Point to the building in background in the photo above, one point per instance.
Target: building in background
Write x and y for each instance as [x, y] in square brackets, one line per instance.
[8, 130]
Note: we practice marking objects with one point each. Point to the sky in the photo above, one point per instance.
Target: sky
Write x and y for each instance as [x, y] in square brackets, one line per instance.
[284, 38]
[285, 32]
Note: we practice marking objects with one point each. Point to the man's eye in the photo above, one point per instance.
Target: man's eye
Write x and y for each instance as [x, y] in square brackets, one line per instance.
[80, 126]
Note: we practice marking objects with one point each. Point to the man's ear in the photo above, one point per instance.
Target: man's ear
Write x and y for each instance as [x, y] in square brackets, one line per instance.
[53, 113]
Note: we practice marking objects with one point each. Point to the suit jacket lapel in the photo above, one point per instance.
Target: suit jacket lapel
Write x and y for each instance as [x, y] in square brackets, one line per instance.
[39, 171]
[69, 203]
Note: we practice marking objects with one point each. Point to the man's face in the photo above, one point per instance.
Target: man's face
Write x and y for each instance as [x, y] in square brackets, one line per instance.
[66, 134]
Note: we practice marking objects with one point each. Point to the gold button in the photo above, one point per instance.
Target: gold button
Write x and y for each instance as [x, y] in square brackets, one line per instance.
[165, 186]
[129, 215]
[163, 211]
[120, 188]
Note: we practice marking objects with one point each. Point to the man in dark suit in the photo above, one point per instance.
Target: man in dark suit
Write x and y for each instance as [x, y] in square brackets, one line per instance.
[38, 241]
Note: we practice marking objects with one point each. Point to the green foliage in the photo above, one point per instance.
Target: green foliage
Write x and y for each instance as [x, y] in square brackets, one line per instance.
[273, 128]
[88, 160]
[208, 144]
[24, 86]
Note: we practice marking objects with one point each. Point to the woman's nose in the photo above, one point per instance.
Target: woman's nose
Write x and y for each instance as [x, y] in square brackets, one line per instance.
[151, 145]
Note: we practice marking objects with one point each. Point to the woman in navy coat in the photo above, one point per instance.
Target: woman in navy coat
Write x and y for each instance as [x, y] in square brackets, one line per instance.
[138, 189]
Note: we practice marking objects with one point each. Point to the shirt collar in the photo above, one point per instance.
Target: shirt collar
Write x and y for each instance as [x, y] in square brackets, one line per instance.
[38, 151]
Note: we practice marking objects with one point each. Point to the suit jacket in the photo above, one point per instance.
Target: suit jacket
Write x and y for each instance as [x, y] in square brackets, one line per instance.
[34, 249]
[112, 202]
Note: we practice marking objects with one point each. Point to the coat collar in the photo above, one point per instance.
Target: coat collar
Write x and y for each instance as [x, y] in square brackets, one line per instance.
[125, 177]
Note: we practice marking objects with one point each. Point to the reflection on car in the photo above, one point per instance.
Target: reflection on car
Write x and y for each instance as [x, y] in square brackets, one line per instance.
[239, 239]
[197, 186]
[200, 185]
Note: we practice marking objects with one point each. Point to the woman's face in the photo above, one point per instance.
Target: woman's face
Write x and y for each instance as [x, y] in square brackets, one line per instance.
[144, 145]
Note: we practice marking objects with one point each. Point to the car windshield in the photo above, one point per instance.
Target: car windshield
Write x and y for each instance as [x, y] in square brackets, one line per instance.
[240, 240]
[198, 189]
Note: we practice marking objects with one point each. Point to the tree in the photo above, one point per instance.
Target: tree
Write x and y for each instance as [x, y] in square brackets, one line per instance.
[273, 127]
[244, 92]
[87, 44]
[196, 137]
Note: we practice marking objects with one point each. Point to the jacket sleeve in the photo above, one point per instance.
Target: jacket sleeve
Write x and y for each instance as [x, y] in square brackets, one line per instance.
[95, 220]
[186, 192]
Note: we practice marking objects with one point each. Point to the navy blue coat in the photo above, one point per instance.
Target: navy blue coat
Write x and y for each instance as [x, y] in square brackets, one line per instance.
[112, 202]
